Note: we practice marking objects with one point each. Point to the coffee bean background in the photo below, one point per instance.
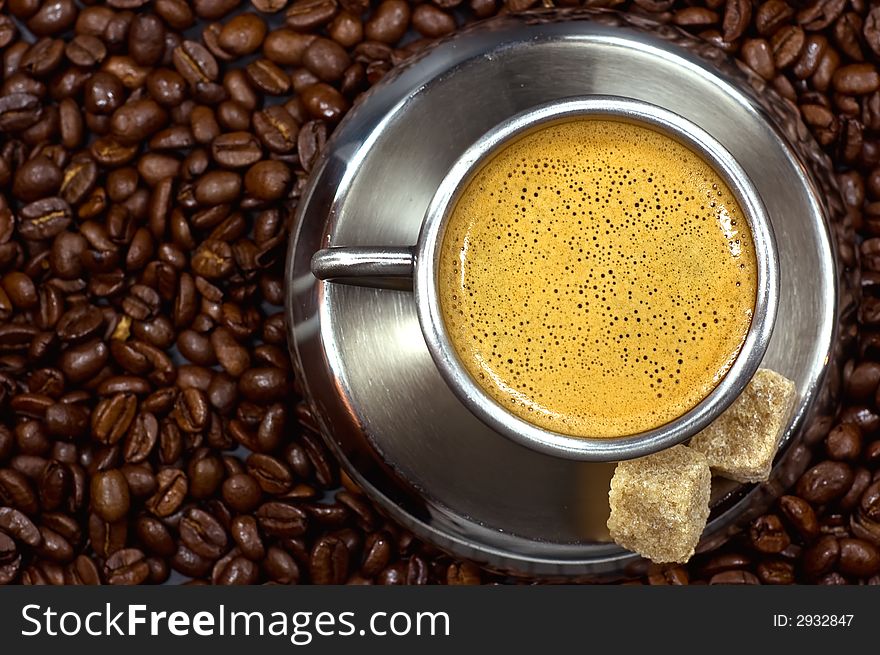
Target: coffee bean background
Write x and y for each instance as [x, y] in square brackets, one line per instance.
[151, 153]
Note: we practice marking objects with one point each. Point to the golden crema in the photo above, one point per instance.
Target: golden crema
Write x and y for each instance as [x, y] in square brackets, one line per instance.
[597, 278]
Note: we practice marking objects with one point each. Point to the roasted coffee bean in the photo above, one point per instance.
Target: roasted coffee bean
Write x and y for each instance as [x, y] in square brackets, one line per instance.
[236, 571]
[17, 492]
[801, 516]
[236, 150]
[205, 473]
[858, 558]
[36, 178]
[243, 34]
[44, 219]
[856, 79]
[54, 547]
[155, 536]
[106, 538]
[305, 15]
[202, 534]
[462, 573]
[734, 578]
[768, 535]
[267, 180]
[20, 527]
[825, 482]
[109, 493]
[280, 567]
[326, 59]
[113, 417]
[844, 442]
[171, 492]
[276, 129]
[246, 536]
[329, 561]
[432, 22]
[347, 30]
[193, 61]
[271, 474]
[822, 556]
[264, 384]
[278, 519]
[241, 492]
[127, 566]
[388, 22]
[324, 102]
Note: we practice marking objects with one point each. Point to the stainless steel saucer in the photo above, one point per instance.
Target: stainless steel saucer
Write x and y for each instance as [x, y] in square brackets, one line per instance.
[361, 357]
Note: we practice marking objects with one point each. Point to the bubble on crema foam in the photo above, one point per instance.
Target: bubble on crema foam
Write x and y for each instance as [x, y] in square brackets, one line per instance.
[598, 278]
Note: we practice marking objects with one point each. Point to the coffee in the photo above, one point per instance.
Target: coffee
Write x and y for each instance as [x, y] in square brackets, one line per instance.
[597, 278]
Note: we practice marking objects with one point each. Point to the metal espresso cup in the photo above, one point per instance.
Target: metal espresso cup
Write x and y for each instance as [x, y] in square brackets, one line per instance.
[415, 267]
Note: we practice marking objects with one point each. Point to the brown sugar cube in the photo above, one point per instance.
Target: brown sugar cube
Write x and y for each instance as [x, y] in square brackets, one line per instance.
[660, 504]
[742, 442]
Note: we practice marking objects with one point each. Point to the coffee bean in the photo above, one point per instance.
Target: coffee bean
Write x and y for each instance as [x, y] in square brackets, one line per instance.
[191, 411]
[106, 538]
[734, 578]
[776, 572]
[193, 61]
[347, 29]
[112, 418]
[241, 492]
[432, 22]
[462, 573]
[202, 534]
[280, 567]
[172, 489]
[44, 219]
[278, 519]
[36, 178]
[236, 150]
[328, 562]
[857, 79]
[737, 14]
[800, 515]
[110, 497]
[326, 59]
[247, 538]
[276, 129]
[155, 536]
[305, 15]
[825, 482]
[844, 442]
[388, 22]
[822, 556]
[127, 566]
[243, 34]
[268, 77]
[17, 492]
[271, 474]
[19, 526]
[217, 187]
[758, 54]
[236, 571]
[267, 180]
[858, 558]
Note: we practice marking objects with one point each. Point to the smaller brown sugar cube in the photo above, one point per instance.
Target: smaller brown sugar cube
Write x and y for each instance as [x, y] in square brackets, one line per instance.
[742, 442]
[660, 504]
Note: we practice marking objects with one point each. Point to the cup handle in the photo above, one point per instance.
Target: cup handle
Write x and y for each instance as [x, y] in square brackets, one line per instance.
[378, 267]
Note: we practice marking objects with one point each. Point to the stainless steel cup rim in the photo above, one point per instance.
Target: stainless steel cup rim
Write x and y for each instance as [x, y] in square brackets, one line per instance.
[490, 411]
[388, 266]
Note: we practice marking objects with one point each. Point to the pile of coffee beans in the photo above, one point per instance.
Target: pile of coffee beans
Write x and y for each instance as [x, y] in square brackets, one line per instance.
[151, 152]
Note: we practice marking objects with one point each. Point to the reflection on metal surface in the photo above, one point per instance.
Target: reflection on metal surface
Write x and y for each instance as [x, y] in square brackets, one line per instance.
[362, 360]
